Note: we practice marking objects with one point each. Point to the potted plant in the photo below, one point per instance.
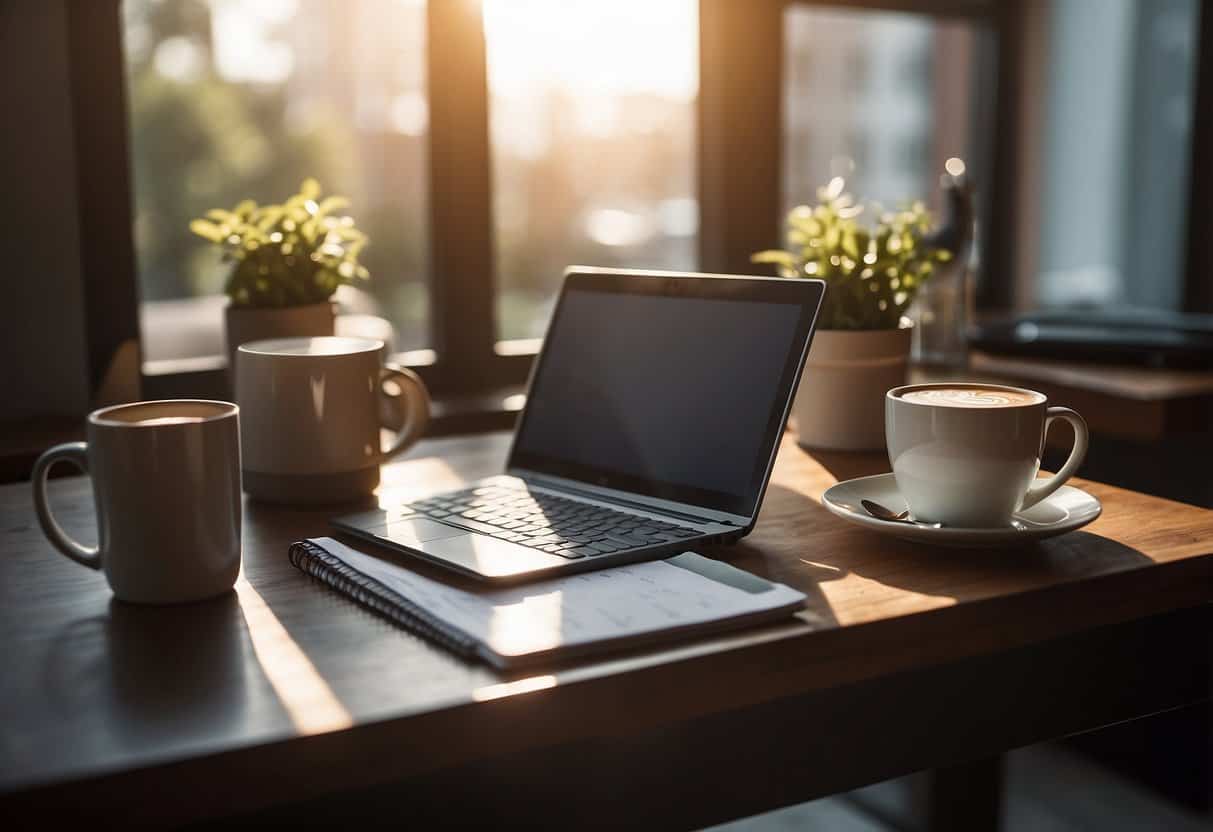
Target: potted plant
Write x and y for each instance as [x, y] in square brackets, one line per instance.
[286, 261]
[862, 344]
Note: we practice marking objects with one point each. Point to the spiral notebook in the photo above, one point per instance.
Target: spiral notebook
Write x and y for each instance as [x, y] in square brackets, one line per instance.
[556, 619]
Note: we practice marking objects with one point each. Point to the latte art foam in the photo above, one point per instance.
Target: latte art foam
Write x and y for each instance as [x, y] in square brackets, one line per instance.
[971, 397]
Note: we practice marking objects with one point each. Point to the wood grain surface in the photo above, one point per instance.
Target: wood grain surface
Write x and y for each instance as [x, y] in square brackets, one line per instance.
[271, 684]
[1122, 381]
[1140, 403]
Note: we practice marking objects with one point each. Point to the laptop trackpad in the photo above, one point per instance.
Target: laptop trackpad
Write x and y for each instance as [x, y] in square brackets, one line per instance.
[412, 531]
[488, 556]
[465, 550]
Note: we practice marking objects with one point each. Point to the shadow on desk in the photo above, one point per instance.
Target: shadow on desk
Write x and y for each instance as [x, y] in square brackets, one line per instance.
[142, 673]
[847, 465]
[842, 550]
[839, 564]
[972, 574]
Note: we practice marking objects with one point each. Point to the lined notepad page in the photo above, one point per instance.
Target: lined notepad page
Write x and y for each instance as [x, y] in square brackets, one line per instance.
[620, 602]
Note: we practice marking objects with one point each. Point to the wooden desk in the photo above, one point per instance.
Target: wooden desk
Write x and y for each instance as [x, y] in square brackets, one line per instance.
[1142, 403]
[907, 658]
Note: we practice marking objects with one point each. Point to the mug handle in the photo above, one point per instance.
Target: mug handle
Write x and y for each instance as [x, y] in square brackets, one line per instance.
[1040, 489]
[77, 454]
[410, 408]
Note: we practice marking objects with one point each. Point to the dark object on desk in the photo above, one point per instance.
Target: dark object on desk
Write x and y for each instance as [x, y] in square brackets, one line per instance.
[651, 424]
[1152, 339]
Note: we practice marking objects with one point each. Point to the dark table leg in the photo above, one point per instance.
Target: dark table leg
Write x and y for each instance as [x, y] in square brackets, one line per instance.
[964, 797]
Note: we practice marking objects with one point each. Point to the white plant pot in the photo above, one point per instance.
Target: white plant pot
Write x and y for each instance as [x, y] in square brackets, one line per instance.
[251, 323]
[840, 402]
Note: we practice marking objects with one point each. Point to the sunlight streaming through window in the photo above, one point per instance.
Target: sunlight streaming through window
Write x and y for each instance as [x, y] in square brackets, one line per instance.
[593, 131]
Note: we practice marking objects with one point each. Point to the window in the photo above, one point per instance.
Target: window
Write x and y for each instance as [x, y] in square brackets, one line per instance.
[662, 134]
[231, 99]
[880, 98]
[1112, 211]
[592, 114]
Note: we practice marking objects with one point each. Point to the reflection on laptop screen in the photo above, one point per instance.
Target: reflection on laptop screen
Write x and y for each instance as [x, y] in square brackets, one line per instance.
[669, 396]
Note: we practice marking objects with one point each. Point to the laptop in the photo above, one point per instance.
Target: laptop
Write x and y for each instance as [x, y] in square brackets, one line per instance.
[652, 420]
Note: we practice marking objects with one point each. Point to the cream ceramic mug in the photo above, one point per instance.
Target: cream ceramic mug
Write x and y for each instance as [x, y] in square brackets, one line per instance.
[967, 455]
[166, 484]
[311, 412]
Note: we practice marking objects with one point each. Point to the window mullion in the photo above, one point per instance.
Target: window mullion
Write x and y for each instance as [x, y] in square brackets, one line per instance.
[740, 123]
[103, 188]
[461, 227]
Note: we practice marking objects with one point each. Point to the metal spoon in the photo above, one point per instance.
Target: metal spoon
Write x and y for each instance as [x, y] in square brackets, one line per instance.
[881, 513]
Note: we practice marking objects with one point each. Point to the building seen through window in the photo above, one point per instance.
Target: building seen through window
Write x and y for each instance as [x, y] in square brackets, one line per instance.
[882, 99]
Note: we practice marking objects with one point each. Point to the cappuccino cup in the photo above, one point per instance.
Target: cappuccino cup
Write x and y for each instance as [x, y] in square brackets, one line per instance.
[310, 414]
[166, 485]
[967, 455]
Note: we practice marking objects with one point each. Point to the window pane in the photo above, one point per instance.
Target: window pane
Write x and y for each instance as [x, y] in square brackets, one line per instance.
[592, 113]
[882, 99]
[245, 98]
[1117, 125]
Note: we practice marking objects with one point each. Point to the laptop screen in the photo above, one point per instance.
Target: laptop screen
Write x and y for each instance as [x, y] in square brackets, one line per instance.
[673, 387]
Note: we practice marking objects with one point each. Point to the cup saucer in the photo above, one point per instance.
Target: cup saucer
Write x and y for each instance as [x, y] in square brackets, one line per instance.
[1064, 510]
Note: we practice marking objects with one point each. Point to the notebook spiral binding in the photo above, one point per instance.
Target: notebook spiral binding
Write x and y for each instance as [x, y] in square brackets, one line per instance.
[324, 566]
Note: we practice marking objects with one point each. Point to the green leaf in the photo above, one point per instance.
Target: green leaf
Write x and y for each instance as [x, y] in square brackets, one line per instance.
[207, 230]
[850, 245]
[286, 253]
[833, 236]
[310, 189]
[779, 258]
[269, 217]
[330, 204]
[805, 222]
[832, 190]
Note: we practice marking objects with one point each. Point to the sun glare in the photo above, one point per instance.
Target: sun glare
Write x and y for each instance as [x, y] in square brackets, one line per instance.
[593, 47]
[309, 702]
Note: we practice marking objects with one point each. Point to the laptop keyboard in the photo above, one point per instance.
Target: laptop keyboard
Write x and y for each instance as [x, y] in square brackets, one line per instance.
[558, 525]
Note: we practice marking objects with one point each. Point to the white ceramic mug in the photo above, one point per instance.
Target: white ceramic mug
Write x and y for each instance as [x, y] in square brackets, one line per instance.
[311, 412]
[166, 483]
[974, 465]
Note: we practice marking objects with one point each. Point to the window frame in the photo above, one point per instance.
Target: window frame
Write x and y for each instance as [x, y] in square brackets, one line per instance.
[739, 184]
[1198, 282]
[104, 211]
